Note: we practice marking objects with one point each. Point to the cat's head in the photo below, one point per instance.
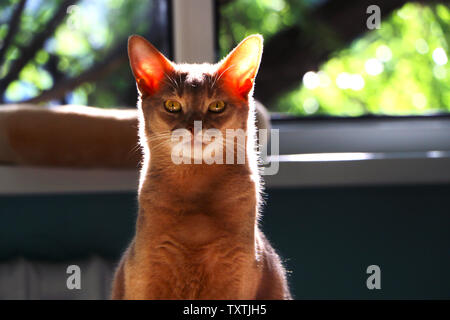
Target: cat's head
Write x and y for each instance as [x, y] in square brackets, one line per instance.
[174, 96]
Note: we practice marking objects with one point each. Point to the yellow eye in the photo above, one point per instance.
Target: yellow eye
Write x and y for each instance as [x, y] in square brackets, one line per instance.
[216, 106]
[172, 106]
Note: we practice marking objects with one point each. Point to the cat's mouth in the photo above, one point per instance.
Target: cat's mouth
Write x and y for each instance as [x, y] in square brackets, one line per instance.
[196, 148]
[198, 140]
[196, 143]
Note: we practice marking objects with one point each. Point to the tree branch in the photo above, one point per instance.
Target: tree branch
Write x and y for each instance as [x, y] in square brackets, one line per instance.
[118, 56]
[28, 52]
[12, 30]
[99, 70]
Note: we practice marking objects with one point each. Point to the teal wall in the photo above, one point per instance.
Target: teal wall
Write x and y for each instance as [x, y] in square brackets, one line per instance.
[327, 236]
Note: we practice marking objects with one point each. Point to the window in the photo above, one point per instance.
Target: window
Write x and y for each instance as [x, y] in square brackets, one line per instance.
[75, 51]
[320, 62]
[315, 62]
[320, 58]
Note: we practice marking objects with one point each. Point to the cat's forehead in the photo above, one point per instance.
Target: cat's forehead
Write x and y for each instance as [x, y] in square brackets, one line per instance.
[195, 73]
[192, 79]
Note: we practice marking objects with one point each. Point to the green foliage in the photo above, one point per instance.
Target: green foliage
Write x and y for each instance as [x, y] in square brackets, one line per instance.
[401, 67]
[398, 69]
[89, 32]
[241, 18]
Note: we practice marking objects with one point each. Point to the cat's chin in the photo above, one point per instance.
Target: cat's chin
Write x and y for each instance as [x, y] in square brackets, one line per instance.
[193, 151]
[200, 153]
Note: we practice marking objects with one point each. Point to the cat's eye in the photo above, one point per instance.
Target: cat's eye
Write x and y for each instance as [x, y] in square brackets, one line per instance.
[216, 106]
[172, 106]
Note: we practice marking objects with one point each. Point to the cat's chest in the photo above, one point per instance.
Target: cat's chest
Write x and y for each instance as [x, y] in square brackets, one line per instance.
[206, 271]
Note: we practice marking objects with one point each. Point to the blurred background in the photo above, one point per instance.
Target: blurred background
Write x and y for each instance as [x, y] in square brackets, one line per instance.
[364, 137]
[319, 56]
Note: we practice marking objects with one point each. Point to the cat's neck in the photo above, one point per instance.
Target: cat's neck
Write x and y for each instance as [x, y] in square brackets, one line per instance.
[192, 179]
[226, 194]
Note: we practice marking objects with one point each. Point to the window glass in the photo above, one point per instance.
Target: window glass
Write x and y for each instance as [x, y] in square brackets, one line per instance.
[321, 58]
[75, 51]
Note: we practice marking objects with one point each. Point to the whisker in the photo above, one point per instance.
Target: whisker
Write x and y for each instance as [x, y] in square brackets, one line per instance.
[173, 82]
[221, 74]
[135, 148]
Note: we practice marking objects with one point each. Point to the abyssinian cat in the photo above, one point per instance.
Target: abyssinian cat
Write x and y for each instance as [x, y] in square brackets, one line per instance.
[197, 234]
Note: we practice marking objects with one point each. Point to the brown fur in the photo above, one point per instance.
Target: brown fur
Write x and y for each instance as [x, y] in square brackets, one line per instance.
[197, 235]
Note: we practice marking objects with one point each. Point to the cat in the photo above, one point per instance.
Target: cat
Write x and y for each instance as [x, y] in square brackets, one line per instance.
[197, 233]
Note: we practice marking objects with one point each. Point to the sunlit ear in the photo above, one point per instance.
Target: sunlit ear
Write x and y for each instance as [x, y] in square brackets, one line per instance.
[238, 70]
[147, 63]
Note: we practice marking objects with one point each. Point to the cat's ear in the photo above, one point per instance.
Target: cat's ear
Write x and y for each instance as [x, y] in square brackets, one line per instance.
[148, 64]
[238, 70]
